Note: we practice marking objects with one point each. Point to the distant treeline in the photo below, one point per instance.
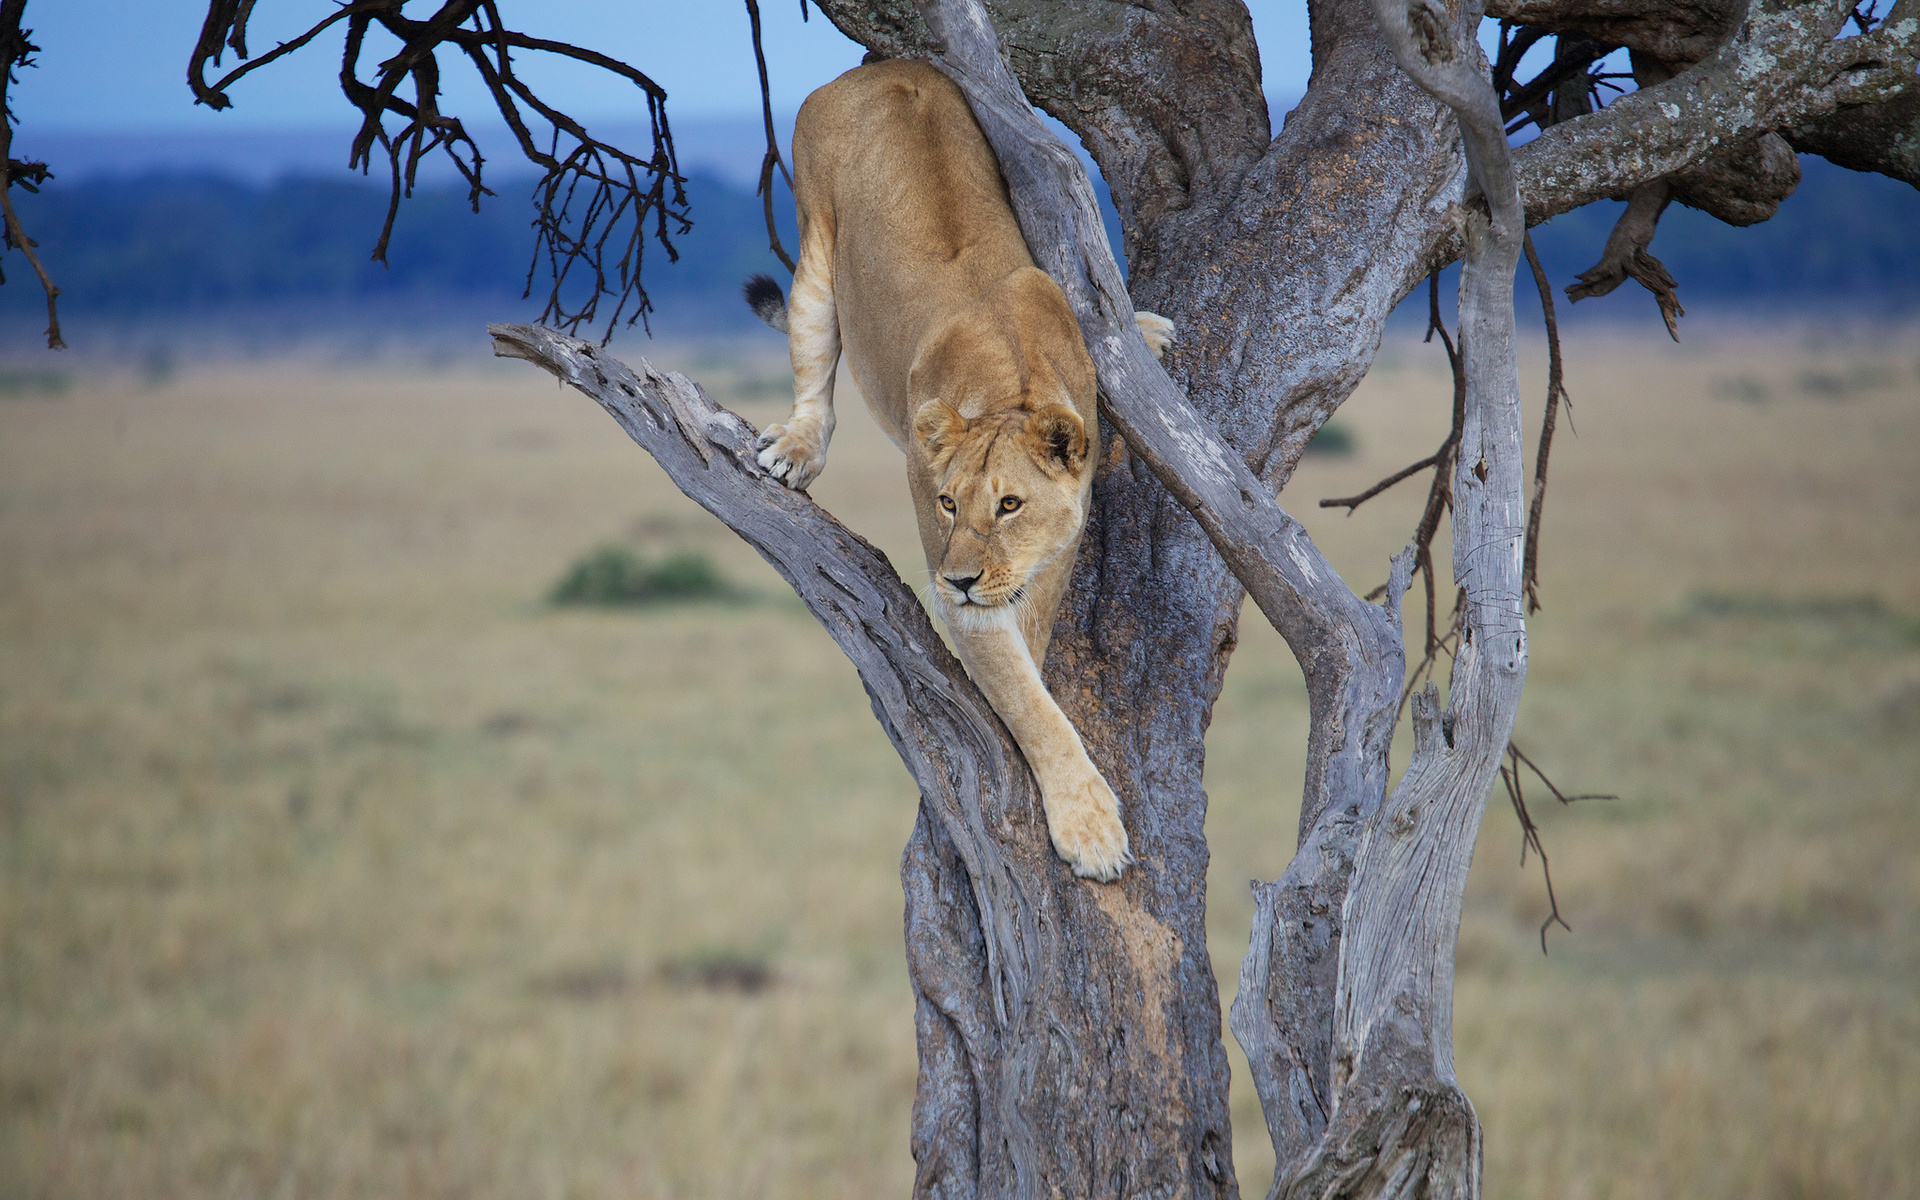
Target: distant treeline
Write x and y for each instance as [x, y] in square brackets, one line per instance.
[175, 245]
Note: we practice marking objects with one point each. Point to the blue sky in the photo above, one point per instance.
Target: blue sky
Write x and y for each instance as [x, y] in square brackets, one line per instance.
[120, 65]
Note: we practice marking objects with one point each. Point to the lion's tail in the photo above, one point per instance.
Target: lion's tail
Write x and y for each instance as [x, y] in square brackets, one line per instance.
[766, 300]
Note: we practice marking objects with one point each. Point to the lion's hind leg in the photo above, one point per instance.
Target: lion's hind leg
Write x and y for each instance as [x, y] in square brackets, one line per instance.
[795, 451]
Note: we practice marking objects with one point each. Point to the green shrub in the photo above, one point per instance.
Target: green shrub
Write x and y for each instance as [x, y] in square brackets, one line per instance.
[717, 969]
[617, 575]
[33, 383]
[1331, 439]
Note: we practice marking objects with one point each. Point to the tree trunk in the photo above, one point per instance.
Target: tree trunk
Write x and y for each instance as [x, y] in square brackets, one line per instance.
[1069, 1031]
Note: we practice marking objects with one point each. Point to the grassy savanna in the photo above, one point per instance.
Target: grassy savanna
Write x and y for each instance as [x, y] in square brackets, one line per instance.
[335, 861]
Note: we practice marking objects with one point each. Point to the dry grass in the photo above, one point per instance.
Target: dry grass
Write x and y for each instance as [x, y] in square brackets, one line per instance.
[333, 862]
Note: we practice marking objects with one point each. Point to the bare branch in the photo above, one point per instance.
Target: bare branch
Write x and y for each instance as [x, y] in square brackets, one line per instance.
[230, 20]
[1873, 137]
[772, 158]
[1530, 833]
[1626, 256]
[1530, 840]
[970, 773]
[1786, 68]
[1556, 392]
[1352, 502]
[597, 206]
[1562, 797]
[15, 52]
[1398, 1112]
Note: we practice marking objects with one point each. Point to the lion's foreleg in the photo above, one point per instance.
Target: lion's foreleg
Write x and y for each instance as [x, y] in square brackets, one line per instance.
[1083, 816]
[796, 451]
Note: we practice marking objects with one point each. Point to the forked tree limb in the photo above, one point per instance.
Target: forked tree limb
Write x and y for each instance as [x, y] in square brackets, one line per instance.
[1349, 651]
[1786, 67]
[1398, 1122]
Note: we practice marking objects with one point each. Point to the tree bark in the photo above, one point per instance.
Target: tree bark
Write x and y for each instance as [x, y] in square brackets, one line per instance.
[1351, 654]
[1069, 1032]
[1883, 138]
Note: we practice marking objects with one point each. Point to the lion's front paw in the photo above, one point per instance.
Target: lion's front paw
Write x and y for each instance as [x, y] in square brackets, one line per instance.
[795, 455]
[1085, 825]
[1158, 331]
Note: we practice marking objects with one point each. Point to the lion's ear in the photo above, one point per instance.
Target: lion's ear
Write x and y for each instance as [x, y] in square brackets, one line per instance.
[938, 427]
[1059, 437]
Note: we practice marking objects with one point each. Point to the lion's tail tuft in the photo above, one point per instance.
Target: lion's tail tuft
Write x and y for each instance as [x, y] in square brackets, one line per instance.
[767, 301]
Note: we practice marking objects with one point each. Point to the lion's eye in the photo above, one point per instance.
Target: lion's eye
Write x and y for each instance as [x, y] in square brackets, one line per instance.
[1009, 504]
[946, 502]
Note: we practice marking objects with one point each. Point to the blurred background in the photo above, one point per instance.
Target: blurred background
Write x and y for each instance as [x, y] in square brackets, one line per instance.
[404, 791]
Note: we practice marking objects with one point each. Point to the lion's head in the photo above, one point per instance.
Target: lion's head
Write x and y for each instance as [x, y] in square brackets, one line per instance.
[1009, 495]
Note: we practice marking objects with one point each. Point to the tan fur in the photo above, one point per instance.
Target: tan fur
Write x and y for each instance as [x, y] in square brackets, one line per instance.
[911, 263]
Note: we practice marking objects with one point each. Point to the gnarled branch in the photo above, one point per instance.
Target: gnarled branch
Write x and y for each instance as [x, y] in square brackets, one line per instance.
[970, 773]
[1881, 137]
[596, 206]
[1626, 256]
[1397, 1114]
[1785, 68]
[1669, 30]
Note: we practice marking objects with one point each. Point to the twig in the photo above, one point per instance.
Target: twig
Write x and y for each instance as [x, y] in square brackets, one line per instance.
[1556, 390]
[17, 51]
[1530, 833]
[623, 198]
[1352, 502]
[1557, 793]
[1439, 503]
[772, 159]
[1530, 839]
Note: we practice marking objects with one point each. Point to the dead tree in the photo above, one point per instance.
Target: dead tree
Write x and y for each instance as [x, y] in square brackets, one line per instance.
[1069, 1032]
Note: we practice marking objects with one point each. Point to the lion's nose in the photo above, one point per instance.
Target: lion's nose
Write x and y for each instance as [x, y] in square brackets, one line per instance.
[962, 583]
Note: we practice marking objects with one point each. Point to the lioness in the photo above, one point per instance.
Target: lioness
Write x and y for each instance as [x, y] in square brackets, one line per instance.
[969, 356]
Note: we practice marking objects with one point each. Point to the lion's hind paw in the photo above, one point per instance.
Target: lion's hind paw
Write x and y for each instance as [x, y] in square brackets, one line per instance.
[791, 456]
[1158, 331]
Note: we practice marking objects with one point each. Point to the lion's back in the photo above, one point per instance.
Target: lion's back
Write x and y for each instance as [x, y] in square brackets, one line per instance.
[889, 156]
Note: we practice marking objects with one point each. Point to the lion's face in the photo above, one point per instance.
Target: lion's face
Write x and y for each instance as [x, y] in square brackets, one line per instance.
[1009, 498]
